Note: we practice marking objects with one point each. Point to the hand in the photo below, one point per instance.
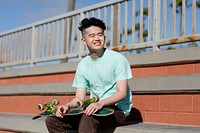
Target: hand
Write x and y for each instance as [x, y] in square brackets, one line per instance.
[61, 110]
[93, 107]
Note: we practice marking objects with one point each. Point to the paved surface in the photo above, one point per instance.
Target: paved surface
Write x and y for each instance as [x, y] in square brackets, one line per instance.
[24, 123]
[157, 128]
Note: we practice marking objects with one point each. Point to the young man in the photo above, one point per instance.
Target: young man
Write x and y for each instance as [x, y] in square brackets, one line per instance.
[104, 73]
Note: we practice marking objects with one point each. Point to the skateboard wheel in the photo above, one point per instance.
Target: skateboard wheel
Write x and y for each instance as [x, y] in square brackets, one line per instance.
[55, 101]
[79, 103]
[96, 98]
[40, 107]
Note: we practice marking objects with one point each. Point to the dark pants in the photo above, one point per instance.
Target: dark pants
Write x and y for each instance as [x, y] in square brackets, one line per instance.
[85, 124]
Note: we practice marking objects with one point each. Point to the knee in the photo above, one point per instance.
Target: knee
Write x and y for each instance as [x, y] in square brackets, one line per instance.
[87, 125]
[86, 120]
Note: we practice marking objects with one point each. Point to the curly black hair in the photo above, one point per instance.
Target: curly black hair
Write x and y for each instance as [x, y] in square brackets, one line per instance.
[87, 22]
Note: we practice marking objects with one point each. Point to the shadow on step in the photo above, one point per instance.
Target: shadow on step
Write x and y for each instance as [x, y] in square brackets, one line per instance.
[135, 117]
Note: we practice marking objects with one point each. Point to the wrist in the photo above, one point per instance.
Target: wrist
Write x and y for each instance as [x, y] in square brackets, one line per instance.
[102, 103]
[66, 105]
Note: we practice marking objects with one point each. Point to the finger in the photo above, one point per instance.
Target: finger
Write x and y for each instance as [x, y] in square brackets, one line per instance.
[90, 111]
[66, 108]
[59, 113]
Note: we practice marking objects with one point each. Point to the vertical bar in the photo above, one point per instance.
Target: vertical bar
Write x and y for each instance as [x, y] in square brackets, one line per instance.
[29, 43]
[33, 45]
[174, 18]
[53, 38]
[164, 18]
[78, 37]
[1, 61]
[105, 19]
[118, 26]
[193, 17]
[141, 20]
[15, 47]
[87, 14]
[18, 45]
[57, 36]
[40, 44]
[149, 20]
[72, 34]
[81, 48]
[45, 41]
[68, 35]
[99, 13]
[3, 49]
[23, 45]
[126, 23]
[6, 48]
[111, 26]
[4, 52]
[183, 18]
[156, 20]
[63, 36]
[133, 21]
[11, 47]
[48, 38]
[93, 13]
[5, 61]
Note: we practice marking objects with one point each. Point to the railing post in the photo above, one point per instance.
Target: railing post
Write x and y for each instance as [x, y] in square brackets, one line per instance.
[156, 20]
[80, 45]
[32, 46]
[156, 35]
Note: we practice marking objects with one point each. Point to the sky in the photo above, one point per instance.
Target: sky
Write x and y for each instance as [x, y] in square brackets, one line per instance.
[16, 13]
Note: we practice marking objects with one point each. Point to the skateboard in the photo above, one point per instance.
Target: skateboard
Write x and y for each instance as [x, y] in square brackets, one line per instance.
[81, 106]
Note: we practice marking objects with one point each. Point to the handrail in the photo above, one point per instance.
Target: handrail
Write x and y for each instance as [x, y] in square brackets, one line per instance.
[131, 25]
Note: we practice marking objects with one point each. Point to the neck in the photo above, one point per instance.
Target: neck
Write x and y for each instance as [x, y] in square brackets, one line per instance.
[96, 55]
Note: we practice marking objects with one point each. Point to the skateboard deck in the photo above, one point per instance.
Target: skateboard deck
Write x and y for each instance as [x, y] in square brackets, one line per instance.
[78, 111]
[105, 111]
[81, 106]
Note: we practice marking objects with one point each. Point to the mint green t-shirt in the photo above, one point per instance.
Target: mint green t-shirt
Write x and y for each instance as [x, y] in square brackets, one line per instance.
[100, 77]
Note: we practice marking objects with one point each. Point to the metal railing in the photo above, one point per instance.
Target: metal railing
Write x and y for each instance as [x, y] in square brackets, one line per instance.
[131, 25]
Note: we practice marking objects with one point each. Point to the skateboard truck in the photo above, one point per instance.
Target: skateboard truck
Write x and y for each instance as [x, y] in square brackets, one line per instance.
[49, 106]
[86, 103]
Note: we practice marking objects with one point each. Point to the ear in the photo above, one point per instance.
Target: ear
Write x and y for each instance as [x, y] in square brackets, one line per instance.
[83, 41]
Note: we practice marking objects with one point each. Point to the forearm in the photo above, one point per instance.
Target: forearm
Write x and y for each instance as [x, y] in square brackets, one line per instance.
[80, 96]
[117, 97]
[73, 102]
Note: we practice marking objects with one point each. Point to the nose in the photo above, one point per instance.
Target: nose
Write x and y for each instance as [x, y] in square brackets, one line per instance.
[96, 37]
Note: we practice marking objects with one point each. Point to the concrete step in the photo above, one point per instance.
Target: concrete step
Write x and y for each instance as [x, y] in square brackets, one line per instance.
[157, 128]
[24, 123]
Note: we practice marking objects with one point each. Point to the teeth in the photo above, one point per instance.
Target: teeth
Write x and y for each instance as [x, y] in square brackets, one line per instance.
[97, 44]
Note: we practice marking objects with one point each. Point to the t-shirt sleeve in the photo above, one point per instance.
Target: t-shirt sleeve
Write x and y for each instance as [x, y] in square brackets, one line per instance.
[122, 69]
[80, 81]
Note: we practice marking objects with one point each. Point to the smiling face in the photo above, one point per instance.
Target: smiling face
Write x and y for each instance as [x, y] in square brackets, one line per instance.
[94, 38]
